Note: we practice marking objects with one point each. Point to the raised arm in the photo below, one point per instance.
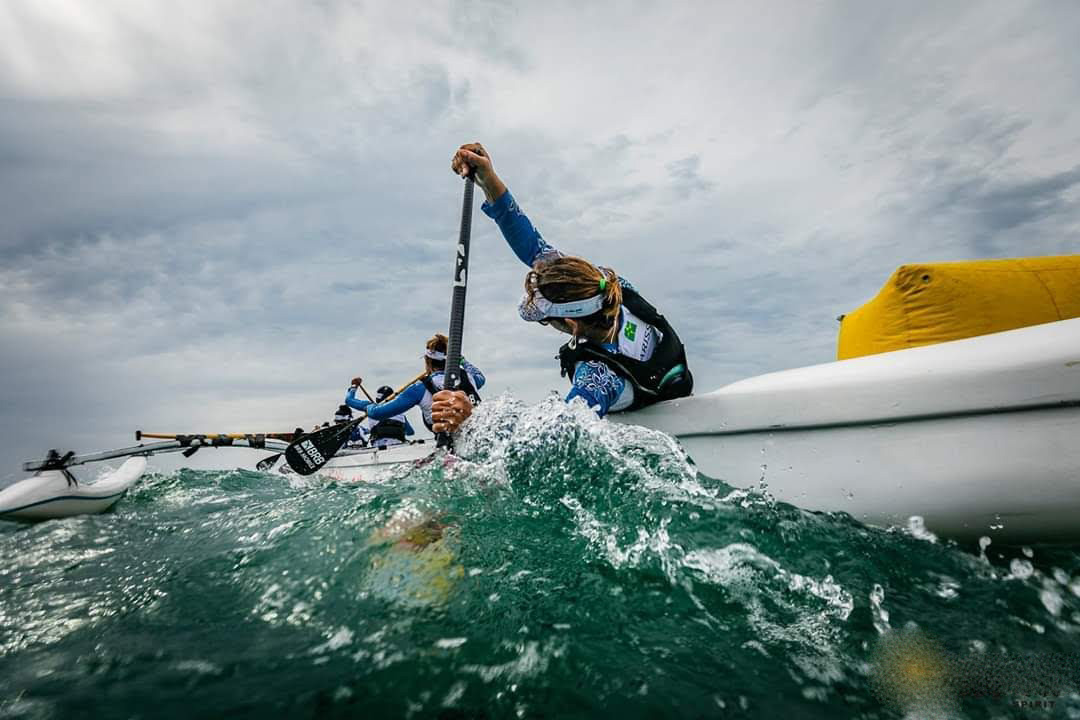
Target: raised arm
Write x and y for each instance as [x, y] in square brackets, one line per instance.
[354, 402]
[408, 398]
[522, 237]
[520, 234]
[473, 158]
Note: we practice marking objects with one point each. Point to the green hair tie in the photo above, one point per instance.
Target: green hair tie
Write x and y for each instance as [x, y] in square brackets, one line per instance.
[603, 282]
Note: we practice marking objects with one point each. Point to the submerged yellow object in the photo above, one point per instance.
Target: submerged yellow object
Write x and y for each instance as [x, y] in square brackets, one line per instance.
[929, 303]
[419, 567]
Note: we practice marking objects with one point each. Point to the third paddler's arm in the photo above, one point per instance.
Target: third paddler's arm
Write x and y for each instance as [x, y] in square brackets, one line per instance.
[354, 402]
[404, 401]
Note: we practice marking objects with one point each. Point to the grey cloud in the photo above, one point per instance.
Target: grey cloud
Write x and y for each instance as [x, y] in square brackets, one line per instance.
[1005, 207]
[685, 176]
[348, 288]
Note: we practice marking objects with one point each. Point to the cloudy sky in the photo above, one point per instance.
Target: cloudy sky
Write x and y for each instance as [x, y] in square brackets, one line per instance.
[212, 215]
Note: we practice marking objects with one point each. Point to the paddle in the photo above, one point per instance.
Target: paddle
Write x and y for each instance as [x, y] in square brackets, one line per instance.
[452, 376]
[139, 435]
[304, 459]
[266, 463]
[199, 440]
[310, 452]
[364, 390]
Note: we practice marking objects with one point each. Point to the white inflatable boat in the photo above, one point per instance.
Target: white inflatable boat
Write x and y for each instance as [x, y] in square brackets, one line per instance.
[979, 437]
[55, 493]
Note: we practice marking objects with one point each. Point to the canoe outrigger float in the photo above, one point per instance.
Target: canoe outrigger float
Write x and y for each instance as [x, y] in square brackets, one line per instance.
[54, 492]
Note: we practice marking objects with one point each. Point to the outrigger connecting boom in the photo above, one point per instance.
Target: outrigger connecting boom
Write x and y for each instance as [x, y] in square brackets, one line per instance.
[186, 444]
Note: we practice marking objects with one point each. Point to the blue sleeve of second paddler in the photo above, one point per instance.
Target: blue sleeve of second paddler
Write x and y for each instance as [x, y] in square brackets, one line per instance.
[408, 398]
[524, 239]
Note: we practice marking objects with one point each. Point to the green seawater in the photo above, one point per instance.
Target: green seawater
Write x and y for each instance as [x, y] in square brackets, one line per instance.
[562, 567]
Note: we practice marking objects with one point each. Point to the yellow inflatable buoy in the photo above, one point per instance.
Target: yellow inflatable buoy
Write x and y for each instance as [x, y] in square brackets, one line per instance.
[931, 303]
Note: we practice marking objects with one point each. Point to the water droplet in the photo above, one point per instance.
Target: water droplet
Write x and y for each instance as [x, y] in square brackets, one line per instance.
[1021, 569]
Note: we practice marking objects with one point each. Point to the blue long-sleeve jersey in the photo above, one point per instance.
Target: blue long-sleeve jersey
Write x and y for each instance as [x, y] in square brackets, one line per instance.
[375, 411]
[410, 397]
[593, 381]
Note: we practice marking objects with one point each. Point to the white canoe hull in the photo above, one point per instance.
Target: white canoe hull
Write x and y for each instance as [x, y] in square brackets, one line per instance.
[48, 494]
[979, 437]
[367, 464]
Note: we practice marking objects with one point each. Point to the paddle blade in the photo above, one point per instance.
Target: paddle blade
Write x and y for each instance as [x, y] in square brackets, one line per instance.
[308, 454]
[266, 463]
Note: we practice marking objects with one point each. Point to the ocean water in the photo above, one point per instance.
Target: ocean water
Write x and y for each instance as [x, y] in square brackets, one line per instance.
[561, 567]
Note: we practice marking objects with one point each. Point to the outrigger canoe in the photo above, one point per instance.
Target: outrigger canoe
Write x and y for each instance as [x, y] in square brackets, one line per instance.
[977, 437]
[974, 437]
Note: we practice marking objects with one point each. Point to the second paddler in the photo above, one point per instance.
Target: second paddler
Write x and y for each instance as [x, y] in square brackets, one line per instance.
[441, 410]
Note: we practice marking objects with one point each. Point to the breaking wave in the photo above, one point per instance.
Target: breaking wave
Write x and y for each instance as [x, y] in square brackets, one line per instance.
[561, 566]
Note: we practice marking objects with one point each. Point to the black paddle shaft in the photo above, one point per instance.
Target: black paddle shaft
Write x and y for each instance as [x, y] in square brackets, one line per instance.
[452, 376]
[457, 305]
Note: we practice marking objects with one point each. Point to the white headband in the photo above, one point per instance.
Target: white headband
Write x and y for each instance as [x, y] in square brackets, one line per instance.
[435, 355]
[540, 307]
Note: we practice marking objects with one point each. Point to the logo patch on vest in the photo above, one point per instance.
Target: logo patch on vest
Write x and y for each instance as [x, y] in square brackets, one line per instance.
[630, 330]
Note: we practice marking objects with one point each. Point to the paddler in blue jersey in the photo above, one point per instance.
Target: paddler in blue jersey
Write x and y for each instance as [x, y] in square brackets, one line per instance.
[623, 354]
[440, 410]
[382, 432]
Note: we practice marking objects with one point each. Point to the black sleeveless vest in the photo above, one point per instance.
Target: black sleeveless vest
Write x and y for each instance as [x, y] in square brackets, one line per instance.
[664, 376]
[388, 429]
